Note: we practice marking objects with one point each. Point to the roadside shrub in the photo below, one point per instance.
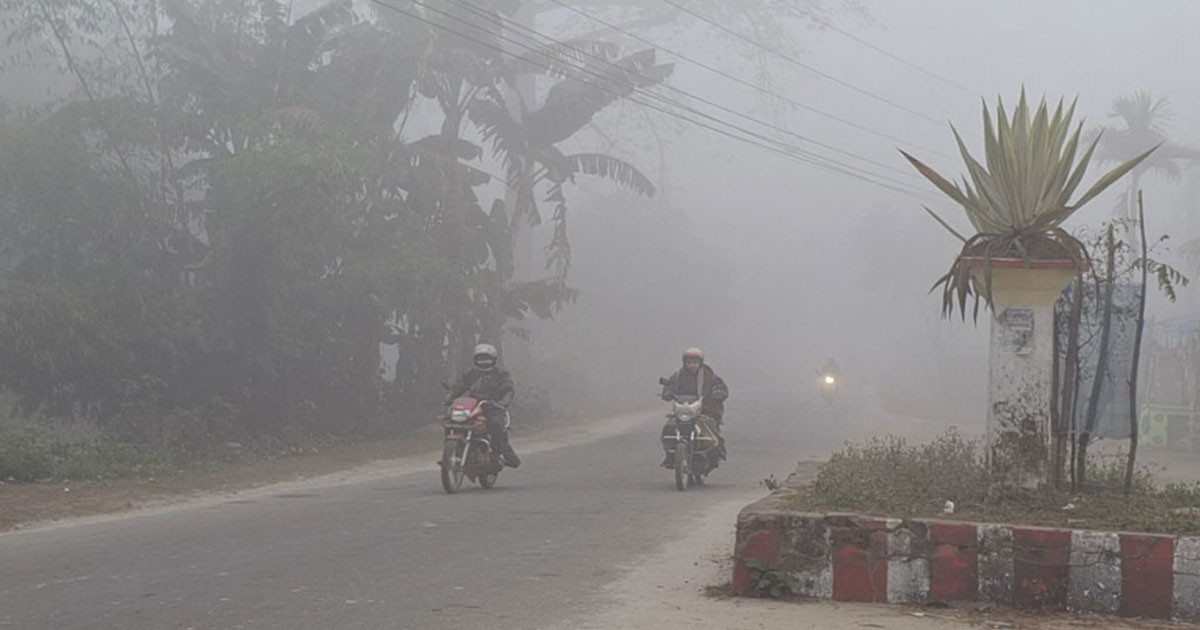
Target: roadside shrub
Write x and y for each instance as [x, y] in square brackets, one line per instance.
[32, 453]
[889, 474]
[26, 454]
[888, 477]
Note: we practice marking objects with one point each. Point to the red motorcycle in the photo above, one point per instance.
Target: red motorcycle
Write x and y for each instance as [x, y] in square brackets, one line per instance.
[468, 449]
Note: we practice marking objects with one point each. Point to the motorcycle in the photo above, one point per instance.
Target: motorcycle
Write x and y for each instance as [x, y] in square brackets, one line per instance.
[829, 387]
[693, 446]
[468, 451]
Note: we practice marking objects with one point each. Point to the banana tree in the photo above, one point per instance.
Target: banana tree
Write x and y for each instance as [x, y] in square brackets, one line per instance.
[590, 77]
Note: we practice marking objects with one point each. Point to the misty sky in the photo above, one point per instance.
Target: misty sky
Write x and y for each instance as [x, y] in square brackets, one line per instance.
[832, 266]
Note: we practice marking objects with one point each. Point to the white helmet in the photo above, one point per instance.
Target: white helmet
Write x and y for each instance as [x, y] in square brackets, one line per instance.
[485, 356]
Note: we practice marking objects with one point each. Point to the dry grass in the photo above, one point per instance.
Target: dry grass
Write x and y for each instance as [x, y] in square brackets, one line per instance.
[887, 476]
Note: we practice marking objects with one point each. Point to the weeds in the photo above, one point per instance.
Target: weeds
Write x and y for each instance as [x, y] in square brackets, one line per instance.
[35, 453]
[770, 483]
[887, 476]
[772, 583]
[31, 453]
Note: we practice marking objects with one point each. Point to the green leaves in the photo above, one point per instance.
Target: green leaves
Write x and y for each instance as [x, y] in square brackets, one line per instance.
[1019, 197]
[1031, 171]
[592, 78]
[1169, 279]
[572, 102]
[296, 222]
[773, 583]
[609, 167]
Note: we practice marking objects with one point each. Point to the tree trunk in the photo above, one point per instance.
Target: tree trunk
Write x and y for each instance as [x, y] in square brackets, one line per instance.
[1071, 369]
[520, 96]
[1134, 181]
[1101, 364]
[1057, 427]
[1137, 354]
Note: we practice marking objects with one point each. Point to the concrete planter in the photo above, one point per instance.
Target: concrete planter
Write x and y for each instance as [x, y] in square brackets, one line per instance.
[1021, 365]
[849, 557]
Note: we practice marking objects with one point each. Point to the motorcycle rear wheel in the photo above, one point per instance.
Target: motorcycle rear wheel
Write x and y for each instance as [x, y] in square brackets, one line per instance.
[683, 466]
[452, 476]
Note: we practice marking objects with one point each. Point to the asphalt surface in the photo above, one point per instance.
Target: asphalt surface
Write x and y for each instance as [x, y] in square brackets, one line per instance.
[397, 552]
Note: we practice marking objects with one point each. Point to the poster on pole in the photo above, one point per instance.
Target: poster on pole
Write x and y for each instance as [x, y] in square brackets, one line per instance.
[1112, 417]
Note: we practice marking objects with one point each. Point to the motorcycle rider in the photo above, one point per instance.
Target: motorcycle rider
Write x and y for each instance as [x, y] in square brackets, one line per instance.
[831, 369]
[696, 378]
[487, 381]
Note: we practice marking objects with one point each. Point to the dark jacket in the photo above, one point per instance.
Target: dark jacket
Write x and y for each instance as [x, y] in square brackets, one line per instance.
[831, 368]
[493, 385]
[713, 391]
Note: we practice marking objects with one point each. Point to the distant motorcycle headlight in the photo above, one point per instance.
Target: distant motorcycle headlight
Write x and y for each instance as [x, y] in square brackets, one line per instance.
[829, 380]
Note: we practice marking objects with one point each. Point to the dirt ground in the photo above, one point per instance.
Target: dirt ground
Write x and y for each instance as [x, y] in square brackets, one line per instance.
[25, 505]
[22, 504]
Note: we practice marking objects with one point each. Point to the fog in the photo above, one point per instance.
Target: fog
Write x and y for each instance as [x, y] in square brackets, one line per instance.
[253, 254]
[771, 265]
[820, 265]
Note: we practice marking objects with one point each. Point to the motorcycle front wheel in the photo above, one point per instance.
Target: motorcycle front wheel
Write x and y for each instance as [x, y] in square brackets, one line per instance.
[452, 475]
[488, 480]
[683, 466]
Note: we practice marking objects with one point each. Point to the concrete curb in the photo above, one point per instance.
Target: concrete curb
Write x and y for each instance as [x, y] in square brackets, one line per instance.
[855, 558]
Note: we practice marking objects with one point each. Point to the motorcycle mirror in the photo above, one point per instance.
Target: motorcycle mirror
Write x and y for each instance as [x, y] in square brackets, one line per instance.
[446, 387]
[662, 380]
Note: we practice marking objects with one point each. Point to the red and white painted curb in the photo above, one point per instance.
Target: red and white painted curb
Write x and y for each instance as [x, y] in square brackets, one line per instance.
[863, 559]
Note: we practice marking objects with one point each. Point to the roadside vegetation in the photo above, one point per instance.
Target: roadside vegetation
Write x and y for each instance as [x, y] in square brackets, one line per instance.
[37, 451]
[889, 477]
[250, 227]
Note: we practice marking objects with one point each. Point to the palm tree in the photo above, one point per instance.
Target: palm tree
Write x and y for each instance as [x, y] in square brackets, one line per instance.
[1144, 123]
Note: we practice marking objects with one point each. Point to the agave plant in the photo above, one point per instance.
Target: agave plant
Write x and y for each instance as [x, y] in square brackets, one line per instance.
[1019, 200]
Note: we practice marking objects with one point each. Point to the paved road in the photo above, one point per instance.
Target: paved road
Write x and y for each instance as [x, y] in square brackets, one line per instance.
[397, 552]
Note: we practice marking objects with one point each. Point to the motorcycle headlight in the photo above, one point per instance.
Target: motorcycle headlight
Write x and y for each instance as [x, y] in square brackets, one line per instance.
[459, 415]
[829, 380]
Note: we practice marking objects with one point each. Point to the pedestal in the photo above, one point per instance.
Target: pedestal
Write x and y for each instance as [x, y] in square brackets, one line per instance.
[1020, 368]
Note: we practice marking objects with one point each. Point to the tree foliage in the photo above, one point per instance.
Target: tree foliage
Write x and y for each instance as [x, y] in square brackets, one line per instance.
[228, 219]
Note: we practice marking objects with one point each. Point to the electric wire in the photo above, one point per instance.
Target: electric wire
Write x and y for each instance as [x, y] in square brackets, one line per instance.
[504, 22]
[743, 82]
[769, 144]
[794, 61]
